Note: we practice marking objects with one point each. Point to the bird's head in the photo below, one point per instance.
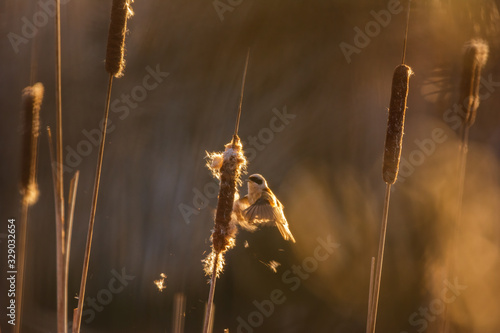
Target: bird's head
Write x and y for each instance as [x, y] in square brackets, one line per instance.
[256, 182]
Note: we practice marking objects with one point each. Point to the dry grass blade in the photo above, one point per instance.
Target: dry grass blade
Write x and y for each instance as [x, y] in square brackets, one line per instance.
[32, 101]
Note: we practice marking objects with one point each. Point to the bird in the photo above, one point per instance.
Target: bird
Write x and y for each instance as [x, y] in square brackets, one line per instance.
[261, 207]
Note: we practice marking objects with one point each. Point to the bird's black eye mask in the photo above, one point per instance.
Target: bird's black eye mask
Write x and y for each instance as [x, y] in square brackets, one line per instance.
[256, 180]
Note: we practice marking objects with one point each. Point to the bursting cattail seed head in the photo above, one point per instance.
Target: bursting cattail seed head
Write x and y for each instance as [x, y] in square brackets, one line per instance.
[120, 12]
[475, 57]
[228, 168]
[395, 122]
[32, 101]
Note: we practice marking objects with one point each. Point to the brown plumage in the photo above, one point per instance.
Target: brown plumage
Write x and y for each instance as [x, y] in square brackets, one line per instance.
[261, 207]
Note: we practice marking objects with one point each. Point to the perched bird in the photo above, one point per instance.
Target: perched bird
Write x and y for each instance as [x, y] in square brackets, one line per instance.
[261, 207]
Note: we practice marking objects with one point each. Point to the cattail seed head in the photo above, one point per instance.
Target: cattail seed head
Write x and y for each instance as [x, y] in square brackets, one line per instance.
[475, 57]
[120, 12]
[32, 101]
[395, 122]
[229, 174]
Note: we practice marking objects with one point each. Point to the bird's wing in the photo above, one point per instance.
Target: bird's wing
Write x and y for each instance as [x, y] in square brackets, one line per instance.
[239, 207]
[268, 209]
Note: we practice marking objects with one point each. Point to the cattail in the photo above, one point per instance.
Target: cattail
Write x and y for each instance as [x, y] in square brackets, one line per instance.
[115, 51]
[475, 57]
[395, 122]
[227, 167]
[32, 101]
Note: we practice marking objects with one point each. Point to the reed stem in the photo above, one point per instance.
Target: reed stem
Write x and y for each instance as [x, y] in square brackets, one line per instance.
[208, 313]
[79, 310]
[372, 321]
[370, 292]
[237, 125]
[21, 264]
[62, 309]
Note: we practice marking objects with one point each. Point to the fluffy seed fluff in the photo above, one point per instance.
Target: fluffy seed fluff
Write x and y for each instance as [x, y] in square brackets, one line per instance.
[115, 51]
[475, 57]
[228, 168]
[32, 102]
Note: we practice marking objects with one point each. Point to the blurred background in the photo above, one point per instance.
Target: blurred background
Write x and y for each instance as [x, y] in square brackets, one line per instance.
[313, 123]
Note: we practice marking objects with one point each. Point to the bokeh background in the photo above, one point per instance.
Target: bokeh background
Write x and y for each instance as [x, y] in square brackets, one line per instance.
[324, 165]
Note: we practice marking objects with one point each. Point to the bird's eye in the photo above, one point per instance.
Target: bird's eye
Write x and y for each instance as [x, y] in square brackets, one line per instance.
[256, 180]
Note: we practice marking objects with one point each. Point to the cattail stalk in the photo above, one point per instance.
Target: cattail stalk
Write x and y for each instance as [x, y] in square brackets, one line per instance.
[474, 59]
[179, 313]
[370, 292]
[32, 101]
[390, 169]
[61, 293]
[228, 168]
[120, 12]
[392, 155]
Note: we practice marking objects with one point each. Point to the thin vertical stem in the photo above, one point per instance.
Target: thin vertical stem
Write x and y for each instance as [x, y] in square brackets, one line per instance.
[451, 262]
[380, 259]
[61, 297]
[71, 213]
[78, 313]
[464, 149]
[179, 313]
[208, 314]
[406, 32]
[237, 125]
[21, 264]
[370, 292]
